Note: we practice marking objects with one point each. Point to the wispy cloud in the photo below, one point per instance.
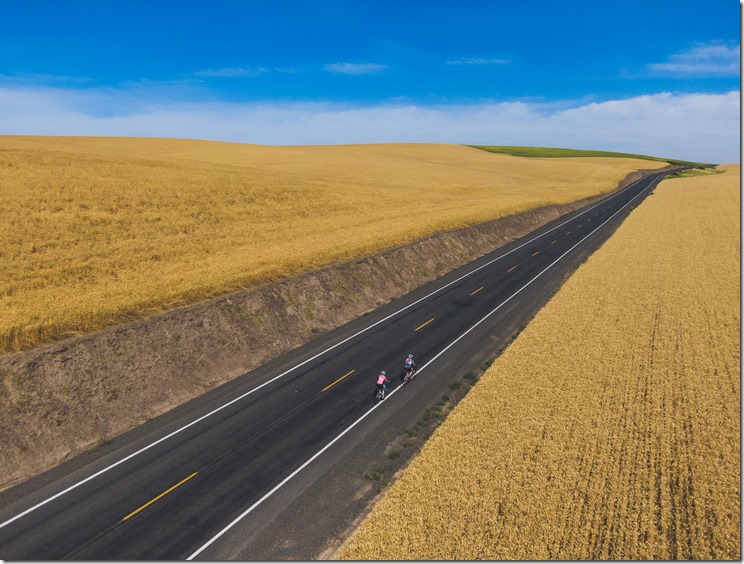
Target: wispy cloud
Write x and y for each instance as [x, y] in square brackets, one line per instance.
[230, 72]
[474, 61]
[44, 79]
[355, 68]
[700, 127]
[710, 59]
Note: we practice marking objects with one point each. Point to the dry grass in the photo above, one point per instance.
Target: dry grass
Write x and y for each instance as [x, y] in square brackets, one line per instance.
[610, 429]
[96, 231]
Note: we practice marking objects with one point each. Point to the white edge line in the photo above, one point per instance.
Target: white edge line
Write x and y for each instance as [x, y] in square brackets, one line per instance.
[173, 433]
[350, 427]
[285, 480]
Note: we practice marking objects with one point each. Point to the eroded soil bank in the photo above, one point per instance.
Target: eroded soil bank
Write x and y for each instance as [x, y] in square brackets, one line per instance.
[65, 398]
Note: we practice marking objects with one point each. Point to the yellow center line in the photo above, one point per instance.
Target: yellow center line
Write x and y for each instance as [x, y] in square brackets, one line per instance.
[337, 381]
[554, 242]
[425, 324]
[512, 268]
[535, 253]
[478, 290]
[166, 492]
[568, 232]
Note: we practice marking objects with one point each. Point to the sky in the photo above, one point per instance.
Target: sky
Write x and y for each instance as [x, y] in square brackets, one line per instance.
[655, 77]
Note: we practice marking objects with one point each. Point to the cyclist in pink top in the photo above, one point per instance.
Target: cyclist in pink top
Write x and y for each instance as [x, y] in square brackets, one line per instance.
[381, 381]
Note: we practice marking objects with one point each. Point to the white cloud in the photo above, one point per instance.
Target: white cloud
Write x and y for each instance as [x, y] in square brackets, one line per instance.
[472, 61]
[699, 127]
[230, 72]
[355, 68]
[27, 78]
[711, 59]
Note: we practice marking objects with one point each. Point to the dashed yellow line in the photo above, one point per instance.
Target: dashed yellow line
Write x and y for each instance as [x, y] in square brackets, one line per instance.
[153, 500]
[554, 242]
[337, 381]
[478, 290]
[425, 324]
[512, 268]
[535, 253]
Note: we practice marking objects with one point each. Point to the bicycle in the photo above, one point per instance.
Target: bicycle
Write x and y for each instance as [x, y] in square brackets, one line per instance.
[408, 375]
[378, 393]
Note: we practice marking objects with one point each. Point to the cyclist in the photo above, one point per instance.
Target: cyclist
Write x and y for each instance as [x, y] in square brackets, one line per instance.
[409, 366]
[381, 381]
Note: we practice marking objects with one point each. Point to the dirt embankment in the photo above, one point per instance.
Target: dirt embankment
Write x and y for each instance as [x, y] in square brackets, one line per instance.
[63, 399]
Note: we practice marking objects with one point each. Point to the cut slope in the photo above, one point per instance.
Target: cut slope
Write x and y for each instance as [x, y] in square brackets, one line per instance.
[97, 231]
[610, 429]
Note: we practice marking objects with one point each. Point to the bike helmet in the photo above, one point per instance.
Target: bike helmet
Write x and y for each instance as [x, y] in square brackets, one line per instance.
[383, 372]
[410, 356]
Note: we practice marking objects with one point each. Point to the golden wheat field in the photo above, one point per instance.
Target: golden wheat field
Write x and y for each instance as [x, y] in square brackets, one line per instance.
[610, 428]
[96, 231]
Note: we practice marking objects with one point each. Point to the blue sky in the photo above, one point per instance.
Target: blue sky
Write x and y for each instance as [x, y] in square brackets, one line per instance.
[574, 74]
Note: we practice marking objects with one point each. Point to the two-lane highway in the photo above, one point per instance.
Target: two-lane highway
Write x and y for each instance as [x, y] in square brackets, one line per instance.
[177, 491]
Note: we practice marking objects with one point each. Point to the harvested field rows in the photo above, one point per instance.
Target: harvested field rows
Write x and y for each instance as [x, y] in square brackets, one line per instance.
[610, 428]
[97, 231]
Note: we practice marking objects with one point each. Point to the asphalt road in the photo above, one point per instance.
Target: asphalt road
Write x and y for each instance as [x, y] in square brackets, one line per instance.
[257, 469]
